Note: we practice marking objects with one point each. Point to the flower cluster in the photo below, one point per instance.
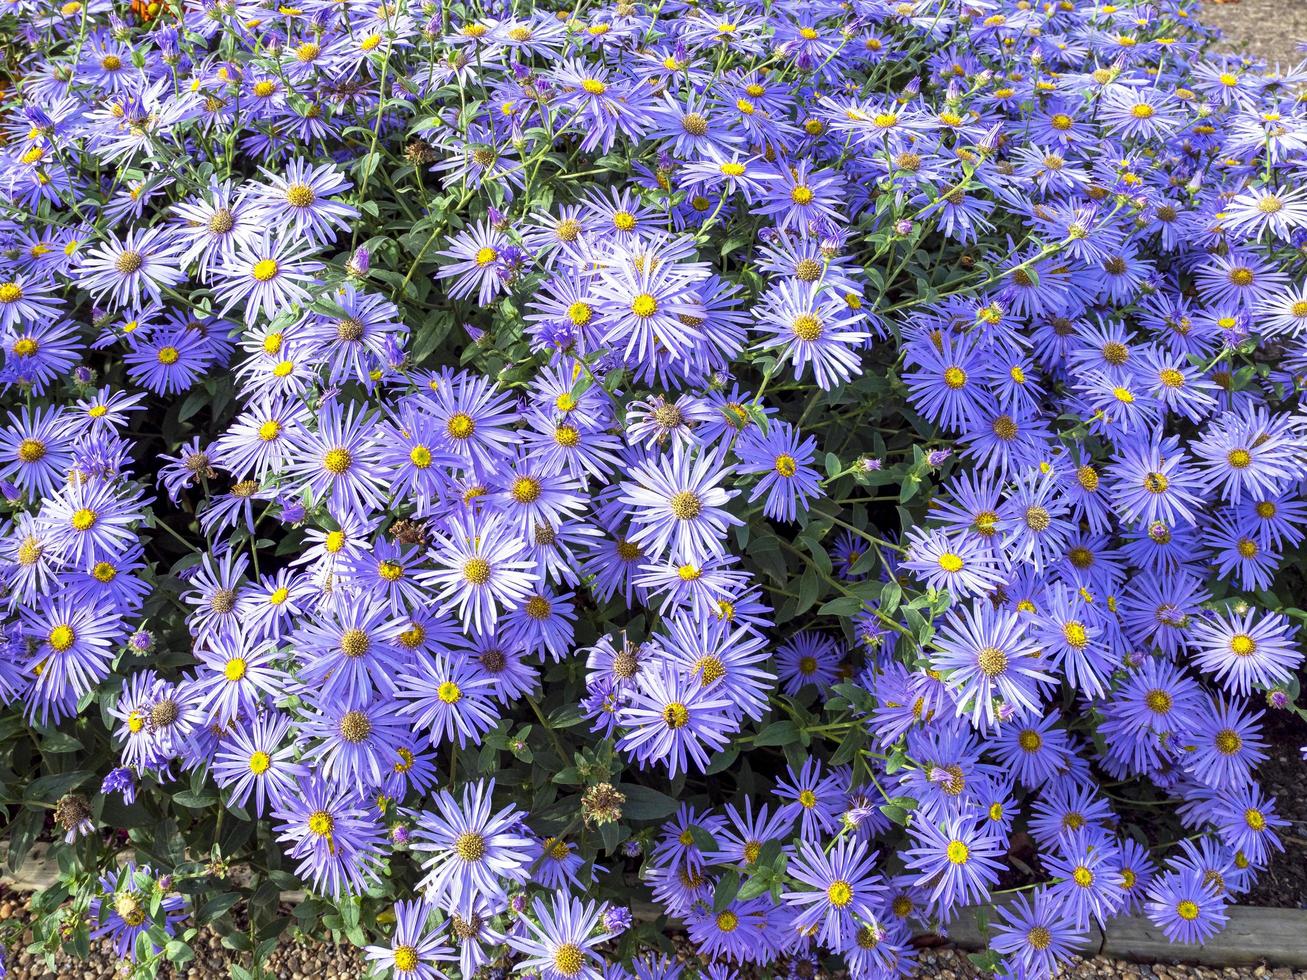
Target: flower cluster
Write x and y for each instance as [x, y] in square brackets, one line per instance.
[774, 460]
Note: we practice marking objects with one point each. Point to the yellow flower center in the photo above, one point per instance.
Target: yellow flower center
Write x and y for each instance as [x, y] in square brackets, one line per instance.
[460, 426]
[686, 505]
[31, 450]
[1158, 701]
[569, 960]
[476, 571]
[355, 643]
[299, 195]
[676, 715]
[337, 461]
[580, 314]
[992, 661]
[839, 893]
[807, 327]
[406, 958]
[470, 846]
[264, 269]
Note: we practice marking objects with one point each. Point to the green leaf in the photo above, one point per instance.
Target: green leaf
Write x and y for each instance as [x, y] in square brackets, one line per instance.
[832, 465]
[758, 884]
[809, 588]
[845, 605]
[644, 803]
[890, 595]
[777, 733]
[60, 742]
[194, 801]
[22, 834]
[215, 906]
[722, 761]
[895, 813]
[703, 840]
[49, 788]
[728, 886]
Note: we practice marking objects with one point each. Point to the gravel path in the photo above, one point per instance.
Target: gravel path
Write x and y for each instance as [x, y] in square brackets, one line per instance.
[1267, 29]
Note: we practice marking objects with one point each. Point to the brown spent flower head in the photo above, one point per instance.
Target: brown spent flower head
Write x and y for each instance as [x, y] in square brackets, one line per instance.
[601, 804]
[71, 812]
[407, 531]
[418, 151]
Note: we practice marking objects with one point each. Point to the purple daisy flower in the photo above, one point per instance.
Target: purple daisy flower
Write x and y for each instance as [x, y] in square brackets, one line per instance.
[255, 760]
[810, 324]
[958, 861]
[475, 253]
[789, 480]
[122, 271]
[450, 698]
[269, 276]
[338, 462]
[672, 719]
[75, 645]
[337, 841]
[842, 887]
[1241, 651]
[471, 852]
[300, 199]
[1186, 907]
[121, 913]
[480, 567]
[1036, 935]
[677, 505]
[560, 940]
[414, 952]
[990, 659]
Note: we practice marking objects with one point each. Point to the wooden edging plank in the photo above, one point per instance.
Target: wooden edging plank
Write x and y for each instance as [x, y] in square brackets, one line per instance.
[1254, 935]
